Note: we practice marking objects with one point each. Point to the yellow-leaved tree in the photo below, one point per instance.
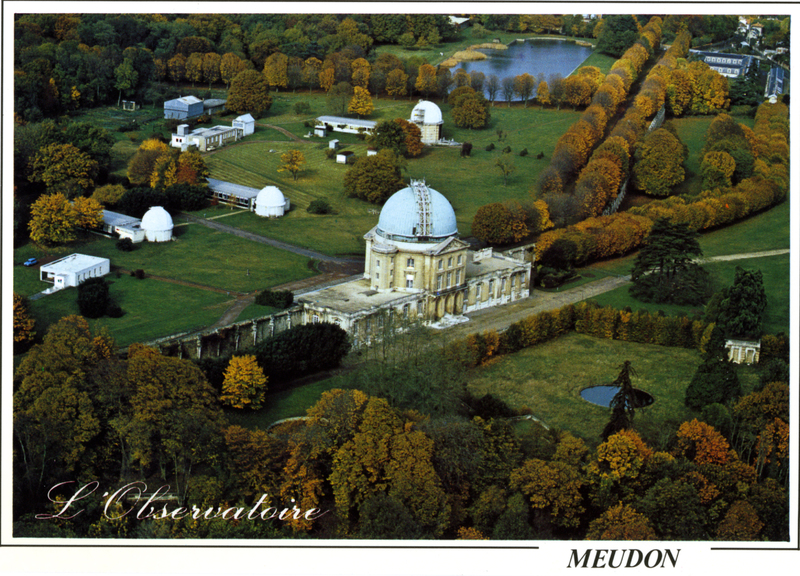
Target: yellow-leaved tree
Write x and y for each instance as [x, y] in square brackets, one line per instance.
[292, 162]
[52, 220]
[361, 102]
[23, 323]
[88, 213]
[244, 383]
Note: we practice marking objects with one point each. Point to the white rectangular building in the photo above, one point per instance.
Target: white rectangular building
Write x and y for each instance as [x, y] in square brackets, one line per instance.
[73, 269]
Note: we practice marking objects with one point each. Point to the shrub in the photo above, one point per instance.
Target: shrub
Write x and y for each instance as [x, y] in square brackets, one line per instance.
[277, 299]
[93, 299]
[490, 147]
[124, 245]
[507, 150]
[302, 107]
[139, 274]
[114, 311]
[302, 350]
[319, 206]
[523, 152]
[330, 153]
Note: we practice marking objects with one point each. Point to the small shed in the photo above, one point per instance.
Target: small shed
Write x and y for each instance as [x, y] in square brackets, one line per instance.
[333, 144]
[73, 269]
[246, 123]
[371, 152]
[214, 105]
[320, 131]
[343, 157]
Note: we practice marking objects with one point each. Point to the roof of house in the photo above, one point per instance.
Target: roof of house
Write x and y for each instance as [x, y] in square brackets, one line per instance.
[120, 220]
[183, 101]
[231, 189]
[73, 263]
[244, 118]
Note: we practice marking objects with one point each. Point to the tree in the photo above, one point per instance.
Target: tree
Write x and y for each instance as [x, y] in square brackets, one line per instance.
[553, 488]
[64, 168]
[244, 383]
[715, 381]
[621, 522]
[524, 85]
[177, 67]
[471, 110]
[623, 405]
[658, 163]
[577, 91]
[664, 270]
[396, 82]
[249, 92]
[23, 322]
[543, 94]
[292, 162]
[229, 66]
[507, 88]
[619, 32]
[426, 80]
[741, 523]
[310, 72]
[717, 169]
[88, 213]
[212, 63]
[52, 220]
[374, 178]
[194, 67]
[126, 78]
[339, 96]
[505, 165]
[109, 194]
[361, 102]
[742, 305]
[492, 87]
[500, 223]
[276, 70]
[93, 297]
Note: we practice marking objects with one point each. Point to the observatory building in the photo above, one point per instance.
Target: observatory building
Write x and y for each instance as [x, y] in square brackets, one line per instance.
[157, 225]
[428, 117]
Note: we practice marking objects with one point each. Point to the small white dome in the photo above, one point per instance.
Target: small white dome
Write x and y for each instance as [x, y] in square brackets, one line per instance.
[157, 220]
[270, 197]
[271, 202]
[426, 112]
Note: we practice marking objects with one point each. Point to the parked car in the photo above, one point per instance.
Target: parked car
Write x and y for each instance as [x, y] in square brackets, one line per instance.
[30, 262]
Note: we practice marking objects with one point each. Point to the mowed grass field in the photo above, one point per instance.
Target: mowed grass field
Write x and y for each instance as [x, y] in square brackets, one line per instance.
[548, 379]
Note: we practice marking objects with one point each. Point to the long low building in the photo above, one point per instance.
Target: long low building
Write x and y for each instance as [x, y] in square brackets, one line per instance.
[73, 269]
[268, 201]
[341, 124]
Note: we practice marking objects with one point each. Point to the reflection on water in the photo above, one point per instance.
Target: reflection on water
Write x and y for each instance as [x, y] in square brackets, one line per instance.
[532, 56]
[603, 395]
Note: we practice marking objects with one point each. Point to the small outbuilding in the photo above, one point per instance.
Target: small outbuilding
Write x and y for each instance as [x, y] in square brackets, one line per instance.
[343, 156]
[123, 226]
[349, 125]
[183, 108]
[214, 105]
[73, 269]
[246, 123]
[271, 203]
[157, 225]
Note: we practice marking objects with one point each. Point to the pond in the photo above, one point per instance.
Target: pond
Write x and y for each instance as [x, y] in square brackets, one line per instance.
[532, 56]
[603, 395]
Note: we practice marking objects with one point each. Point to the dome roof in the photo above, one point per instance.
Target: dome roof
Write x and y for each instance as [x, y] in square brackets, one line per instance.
[426, 112]
[156, 220]
[417, 214]
[270, 197]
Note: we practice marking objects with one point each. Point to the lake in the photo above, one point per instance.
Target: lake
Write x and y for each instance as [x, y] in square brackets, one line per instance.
[532, 56]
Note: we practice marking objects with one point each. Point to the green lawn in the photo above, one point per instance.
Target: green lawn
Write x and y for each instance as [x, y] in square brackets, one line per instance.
[198, 255]
[152, 309]
[548, 379]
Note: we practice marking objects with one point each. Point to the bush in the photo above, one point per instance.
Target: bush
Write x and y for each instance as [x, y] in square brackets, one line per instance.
[330, 153]
[114, 311]
[124, 245]
[490, 147]
[319, 206]
[523, 152]
[302, 107]
[507, 150]
[139, 274]
[277, 299]
[466, 149]
[302, 350]
[93, 298]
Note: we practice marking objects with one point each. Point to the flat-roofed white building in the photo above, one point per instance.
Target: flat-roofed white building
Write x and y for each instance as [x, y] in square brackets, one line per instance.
[205, 138]
[123, 226]
[73, 269]
[349, 125]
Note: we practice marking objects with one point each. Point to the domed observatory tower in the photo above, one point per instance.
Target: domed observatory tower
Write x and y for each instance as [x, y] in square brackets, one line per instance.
[271, 202]
[428, 117]
[157, 225]
[415, 246]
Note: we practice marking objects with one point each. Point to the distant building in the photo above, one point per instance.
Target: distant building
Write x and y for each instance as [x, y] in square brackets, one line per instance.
[775, 82]
[349, 125]
[214, 105]
[460, 22]
[729, 65]
[343, 156]
[268, 201]
[183, 108]
[205, 139]
[73, 269]
[246, 123]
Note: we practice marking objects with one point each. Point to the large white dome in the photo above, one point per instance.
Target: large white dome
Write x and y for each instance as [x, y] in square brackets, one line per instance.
[417, 214]
[426, 112]
[157, 225]
[271, 202]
